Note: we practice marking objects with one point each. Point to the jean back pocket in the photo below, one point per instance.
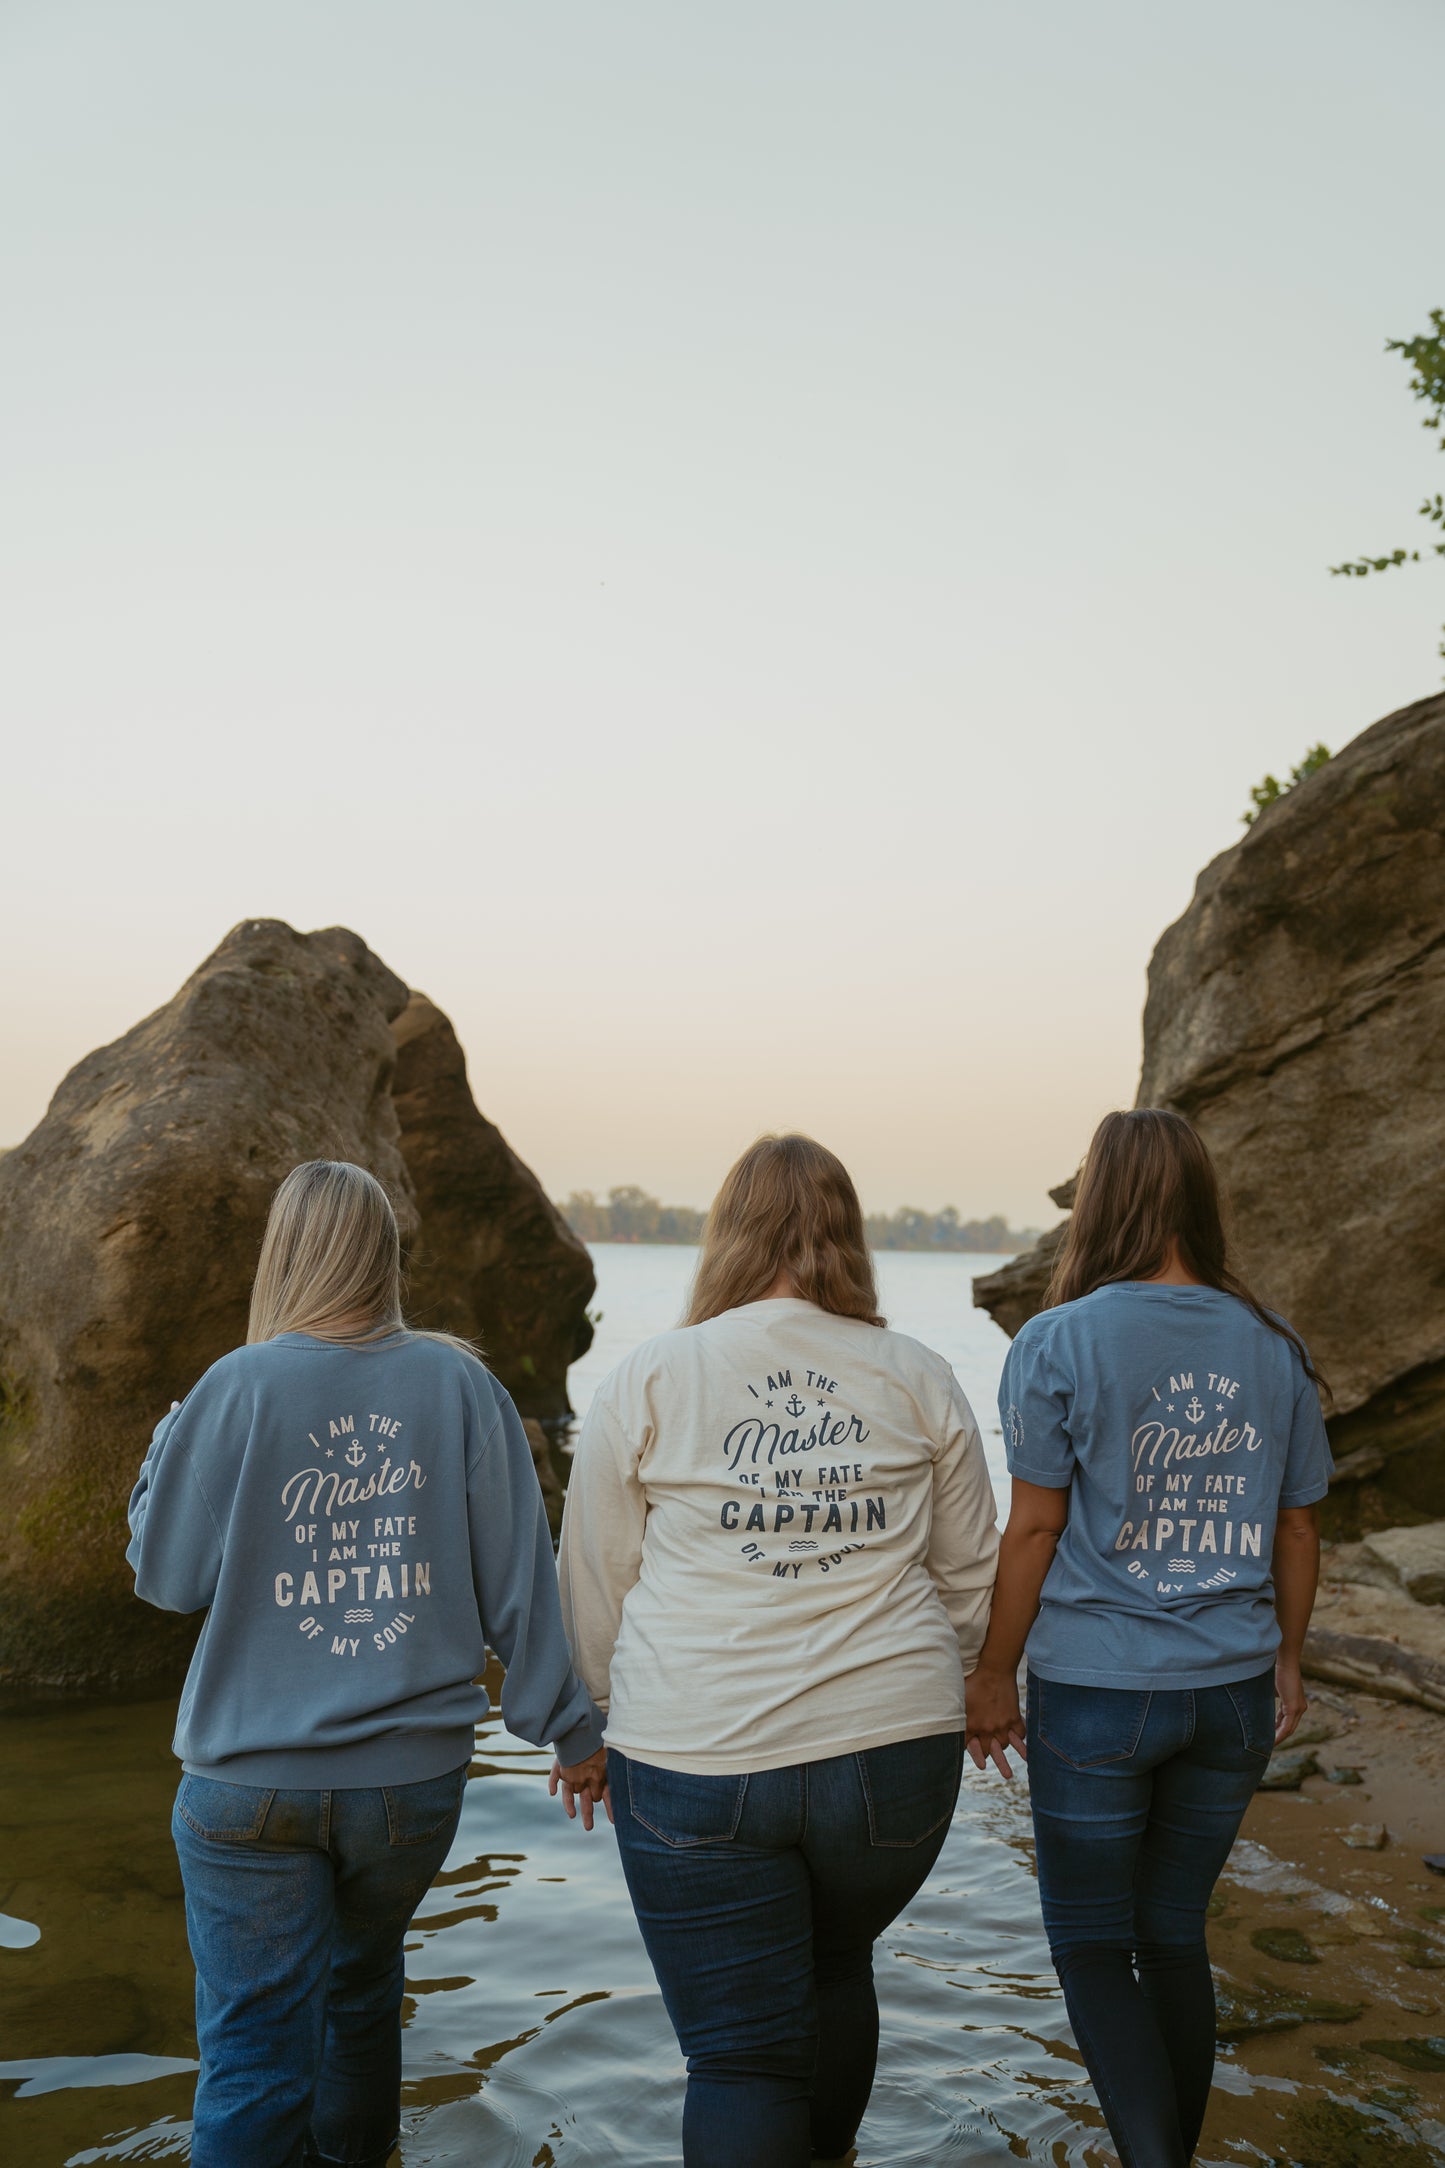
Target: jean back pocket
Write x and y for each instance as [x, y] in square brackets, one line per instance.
[415, 1813]
[683, 1809]
[911, 1787]
[1089, 1726]
[223, 1813]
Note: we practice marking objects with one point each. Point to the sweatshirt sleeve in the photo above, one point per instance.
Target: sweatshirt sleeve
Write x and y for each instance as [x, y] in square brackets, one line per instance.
[962, 1555]
[516, 1583]
[175, 1535]
[601, 1555]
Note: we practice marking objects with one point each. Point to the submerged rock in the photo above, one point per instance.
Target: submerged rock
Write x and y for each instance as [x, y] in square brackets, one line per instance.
[494, 1260]
[1365, 1836]
[1296, 1013]
[130, 1222]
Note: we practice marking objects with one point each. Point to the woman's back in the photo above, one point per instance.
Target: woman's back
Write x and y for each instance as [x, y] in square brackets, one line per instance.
[1183, 1424]
[783, 1519]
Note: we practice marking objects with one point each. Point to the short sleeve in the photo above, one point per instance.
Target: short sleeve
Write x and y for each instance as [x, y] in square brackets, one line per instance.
[1309, 1463]
[1033, 1405]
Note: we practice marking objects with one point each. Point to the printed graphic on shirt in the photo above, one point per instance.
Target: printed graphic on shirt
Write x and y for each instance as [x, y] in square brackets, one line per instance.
[1196, 1489]
[1196, 1492]
[358, 1569]
[807, 1495]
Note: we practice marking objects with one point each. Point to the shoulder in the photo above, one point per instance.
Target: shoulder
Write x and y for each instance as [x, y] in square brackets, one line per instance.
[666, 1354]
[913, 1359]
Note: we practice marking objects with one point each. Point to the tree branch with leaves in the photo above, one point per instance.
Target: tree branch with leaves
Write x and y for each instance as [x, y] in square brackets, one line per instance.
[1426, 356]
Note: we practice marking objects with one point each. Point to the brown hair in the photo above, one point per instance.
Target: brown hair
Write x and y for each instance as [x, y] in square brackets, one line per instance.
[787, 1205]
[1147, 1179]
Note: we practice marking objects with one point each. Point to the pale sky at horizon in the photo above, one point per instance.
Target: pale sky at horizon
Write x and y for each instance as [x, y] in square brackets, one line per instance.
[754, 553]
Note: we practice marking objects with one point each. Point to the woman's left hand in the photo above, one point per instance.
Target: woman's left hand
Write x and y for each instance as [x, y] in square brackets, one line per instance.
[1291, 1700]
[583, 1784]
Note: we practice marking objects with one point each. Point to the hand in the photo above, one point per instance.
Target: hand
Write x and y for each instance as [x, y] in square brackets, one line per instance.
[993, 1720]
[583, 1784]
[1290, 1696]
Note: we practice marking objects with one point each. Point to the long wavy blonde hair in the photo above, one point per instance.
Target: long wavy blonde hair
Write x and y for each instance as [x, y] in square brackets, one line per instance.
[787, 1205]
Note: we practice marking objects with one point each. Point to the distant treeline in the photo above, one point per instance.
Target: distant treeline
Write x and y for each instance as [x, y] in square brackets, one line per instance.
[629, 1214]
[910, 1229]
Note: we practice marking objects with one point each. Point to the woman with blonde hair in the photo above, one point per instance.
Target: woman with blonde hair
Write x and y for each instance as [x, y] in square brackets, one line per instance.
[1168, 1455]
[776, 1561]
[354, 1507]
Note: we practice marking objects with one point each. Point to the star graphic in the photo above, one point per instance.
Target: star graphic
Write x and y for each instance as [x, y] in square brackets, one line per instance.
[770, 1403]
[822, 1403]
[1219, 1407]
[1171, 1407]
[331, 1452]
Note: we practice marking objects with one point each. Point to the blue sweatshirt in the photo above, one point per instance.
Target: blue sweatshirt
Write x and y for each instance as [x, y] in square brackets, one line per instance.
[358, 1522]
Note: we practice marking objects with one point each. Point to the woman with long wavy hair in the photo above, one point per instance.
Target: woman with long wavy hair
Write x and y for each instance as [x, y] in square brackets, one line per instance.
[354, 1507]
[1168, 1455]
[776, 1561]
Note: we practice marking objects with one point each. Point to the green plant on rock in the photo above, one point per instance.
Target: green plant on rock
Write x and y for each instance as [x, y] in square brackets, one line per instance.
[1426, 356]
[1266, 792]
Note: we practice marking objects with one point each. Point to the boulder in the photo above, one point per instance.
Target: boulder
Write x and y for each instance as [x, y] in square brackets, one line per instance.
[1296, 1014]
[130, 1222]
[1415, 1556]
[494, 1259]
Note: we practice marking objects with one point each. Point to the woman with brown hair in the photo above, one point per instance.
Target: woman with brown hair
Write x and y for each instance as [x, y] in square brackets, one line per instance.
[1168, 1455]
[776, 1562]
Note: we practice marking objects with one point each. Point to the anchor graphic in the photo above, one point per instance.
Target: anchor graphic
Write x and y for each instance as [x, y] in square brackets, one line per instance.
[795, 1407]
[356, 1453]
[1195, 1411]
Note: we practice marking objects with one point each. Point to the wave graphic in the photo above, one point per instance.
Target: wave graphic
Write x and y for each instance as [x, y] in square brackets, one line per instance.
[359, 1618]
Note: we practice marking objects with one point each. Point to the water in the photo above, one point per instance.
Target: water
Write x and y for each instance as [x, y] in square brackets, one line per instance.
[535, 2037]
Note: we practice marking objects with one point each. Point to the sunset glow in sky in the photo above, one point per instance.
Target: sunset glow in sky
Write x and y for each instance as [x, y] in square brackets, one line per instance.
[751, 552]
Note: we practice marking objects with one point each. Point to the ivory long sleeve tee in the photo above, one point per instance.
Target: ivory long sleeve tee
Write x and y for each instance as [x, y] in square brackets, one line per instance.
[779, 1542]
[359, 1523]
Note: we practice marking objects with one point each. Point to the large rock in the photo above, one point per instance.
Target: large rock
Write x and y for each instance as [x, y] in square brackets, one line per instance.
[1296, 1013]
[130, 1221]
[495, 1261]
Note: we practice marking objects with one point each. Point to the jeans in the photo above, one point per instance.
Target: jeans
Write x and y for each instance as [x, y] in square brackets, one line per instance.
[759, 1898]
[1137, 1798]
[296, 1906]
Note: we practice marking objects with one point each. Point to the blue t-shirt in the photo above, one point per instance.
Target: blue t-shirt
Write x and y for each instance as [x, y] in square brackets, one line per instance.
[1180, 1425]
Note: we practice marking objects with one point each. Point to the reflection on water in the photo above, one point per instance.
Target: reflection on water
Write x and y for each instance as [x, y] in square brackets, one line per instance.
[535, 2037]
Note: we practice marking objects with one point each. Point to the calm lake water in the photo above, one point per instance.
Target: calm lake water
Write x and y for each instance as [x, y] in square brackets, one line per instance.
[535, 2037]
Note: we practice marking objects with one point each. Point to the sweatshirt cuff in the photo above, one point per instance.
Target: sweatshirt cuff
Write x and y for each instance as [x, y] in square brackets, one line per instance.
[581, 1741]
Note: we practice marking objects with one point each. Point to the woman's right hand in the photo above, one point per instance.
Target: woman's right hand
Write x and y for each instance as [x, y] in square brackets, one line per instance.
[993, 1720]
[1291, 1700]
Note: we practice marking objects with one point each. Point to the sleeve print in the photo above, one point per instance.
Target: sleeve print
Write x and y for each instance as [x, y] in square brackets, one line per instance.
[1033, 1406]
[1308, 1461]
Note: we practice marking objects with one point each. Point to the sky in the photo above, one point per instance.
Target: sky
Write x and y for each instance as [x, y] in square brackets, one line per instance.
[753, 553]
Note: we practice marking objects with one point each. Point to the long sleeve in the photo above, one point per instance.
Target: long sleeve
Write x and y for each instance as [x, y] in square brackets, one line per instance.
[962, 1556]
[175, 1544]
[516, 1584]
[601, 1553]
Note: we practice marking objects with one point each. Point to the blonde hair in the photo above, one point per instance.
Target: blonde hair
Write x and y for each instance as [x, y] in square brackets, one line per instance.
[787, 1205]
[331, 1257]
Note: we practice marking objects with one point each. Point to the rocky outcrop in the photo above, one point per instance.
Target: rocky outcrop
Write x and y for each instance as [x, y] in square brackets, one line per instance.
[1296, 1014]
[494, 1259]
[130, 1222]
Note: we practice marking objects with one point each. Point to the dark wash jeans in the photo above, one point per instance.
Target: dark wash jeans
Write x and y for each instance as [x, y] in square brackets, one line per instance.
[759, 1898]
[296, 1906]
[1137, 1798]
